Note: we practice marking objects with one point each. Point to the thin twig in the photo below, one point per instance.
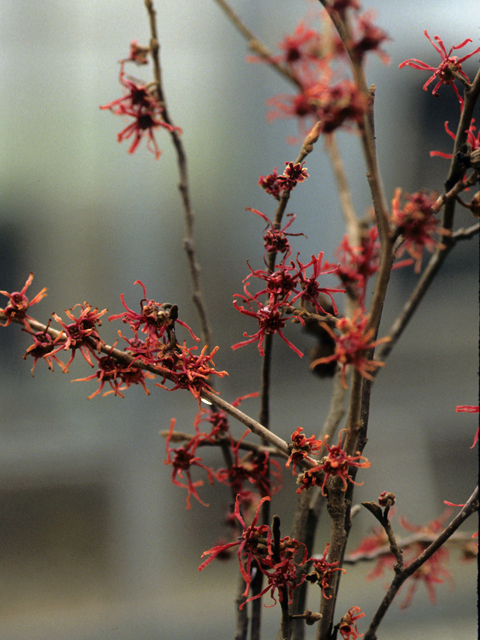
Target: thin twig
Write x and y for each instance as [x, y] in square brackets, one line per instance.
[470, 507]
[254, 43]
[188, 243]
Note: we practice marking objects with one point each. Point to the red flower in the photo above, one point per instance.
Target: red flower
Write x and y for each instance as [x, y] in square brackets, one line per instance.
[417, 224]
[473, 140]
[137, 53]
[449, 70]
[293, 174]
[255, 544]
[350, 346]
[433, 571]
[16, 309]
[187, 370]
[282, 576]
[337, 464]
[116, 374]
[270, 320]
[310, 291]
[140, 104]
[156, 320]
[348, 626]
[43, 347]
[261, 471]
[182, 459]
[276, 239]
[369, 37]
[322, 572]
[468, 408]
[369, 545]
[301, 448]
[80, 333]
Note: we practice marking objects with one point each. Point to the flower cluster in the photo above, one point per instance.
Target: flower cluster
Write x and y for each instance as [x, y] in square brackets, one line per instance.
[256, 467]
[302, 448]
[352, 342]
[311, 59]
[140, 103]
[160, 349]
[276, 185]
[433, 571]
[449, 70]
[415, 222]
[348, 625]
[322, 572]
[336, 464]
[257, 547]
[285, 286]
[357, 264]
[16, 309]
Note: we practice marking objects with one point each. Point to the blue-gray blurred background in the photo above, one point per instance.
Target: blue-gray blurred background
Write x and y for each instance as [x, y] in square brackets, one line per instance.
[95, 542]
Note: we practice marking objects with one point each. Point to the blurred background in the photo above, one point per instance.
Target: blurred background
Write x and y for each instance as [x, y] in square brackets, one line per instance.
[95, 541]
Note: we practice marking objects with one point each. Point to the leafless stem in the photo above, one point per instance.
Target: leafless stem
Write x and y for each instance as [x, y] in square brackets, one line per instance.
[188, 243]
[254, 44]
[470, 507]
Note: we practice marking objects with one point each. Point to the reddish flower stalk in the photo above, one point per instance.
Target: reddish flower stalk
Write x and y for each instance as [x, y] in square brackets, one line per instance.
[449, 70]
[351, 345]
[16, 309]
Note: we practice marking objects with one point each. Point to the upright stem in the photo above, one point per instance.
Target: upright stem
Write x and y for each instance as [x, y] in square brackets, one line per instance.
[188, 243]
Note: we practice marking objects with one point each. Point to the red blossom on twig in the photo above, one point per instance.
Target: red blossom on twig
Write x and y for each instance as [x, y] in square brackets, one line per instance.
[301, 448]
[449, 70]
[348, 626]
[140, 104]
[433, 571]
[16, 309]
[416, 223]
[473, 140]
[322, 572]
[351, 346]
[270, 320]
[182, 459]
[119, 376]
[255, 543]
[44, 346]
[337, 464]
[81, 333]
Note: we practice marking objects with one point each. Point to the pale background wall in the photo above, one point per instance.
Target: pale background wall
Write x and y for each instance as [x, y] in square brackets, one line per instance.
[95, 541]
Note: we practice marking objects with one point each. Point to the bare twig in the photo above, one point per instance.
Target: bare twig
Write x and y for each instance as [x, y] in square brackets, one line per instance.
[470, 507]
[188, 243]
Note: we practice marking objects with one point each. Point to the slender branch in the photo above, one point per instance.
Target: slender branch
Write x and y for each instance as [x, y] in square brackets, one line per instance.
[255, 45]
[344, 194]
[457, 539]
[188, 243]
[470, 507]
